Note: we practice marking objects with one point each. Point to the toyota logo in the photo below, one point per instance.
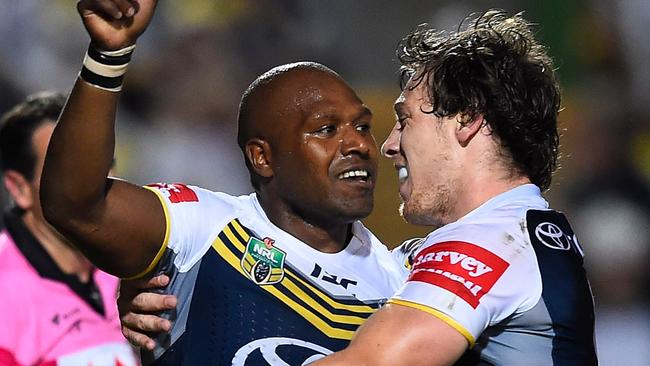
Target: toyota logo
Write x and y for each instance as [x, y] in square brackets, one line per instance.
[552, 236]
[268, 346]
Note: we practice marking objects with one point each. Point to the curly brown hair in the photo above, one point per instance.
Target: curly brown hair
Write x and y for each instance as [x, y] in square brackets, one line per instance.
[492, 66]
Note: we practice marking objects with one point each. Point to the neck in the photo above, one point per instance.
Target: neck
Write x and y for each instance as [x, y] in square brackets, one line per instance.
[326, 237]
[480, 188]
[68, 259]
[486, 174]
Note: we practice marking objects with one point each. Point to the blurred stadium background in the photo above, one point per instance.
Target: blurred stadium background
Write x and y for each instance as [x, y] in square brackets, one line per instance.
[177, 117]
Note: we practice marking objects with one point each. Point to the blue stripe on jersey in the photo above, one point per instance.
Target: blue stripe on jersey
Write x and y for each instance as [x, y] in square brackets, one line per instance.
[229, 311]
[565, 289]
[231, 317]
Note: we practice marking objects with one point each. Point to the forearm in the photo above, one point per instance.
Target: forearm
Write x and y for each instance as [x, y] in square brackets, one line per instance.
[345, 357]
[80, 153]
[117, 225]
[399, 335]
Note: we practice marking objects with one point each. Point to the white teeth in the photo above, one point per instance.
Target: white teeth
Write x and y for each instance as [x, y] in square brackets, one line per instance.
[402, 174]
[354, 173]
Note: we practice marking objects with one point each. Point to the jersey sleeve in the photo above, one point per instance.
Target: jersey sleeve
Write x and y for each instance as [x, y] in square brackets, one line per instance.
[471, 281]
[192, 214]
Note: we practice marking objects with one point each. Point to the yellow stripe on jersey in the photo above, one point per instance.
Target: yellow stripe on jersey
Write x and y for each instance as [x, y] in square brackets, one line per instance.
[324, 296]
[329, 300]
[310, 308]
[294, 289]
[438, 314]
[234, 240]
[240, 230]
[348, 319]
[248, 263]
[314, 319]
[163, 246]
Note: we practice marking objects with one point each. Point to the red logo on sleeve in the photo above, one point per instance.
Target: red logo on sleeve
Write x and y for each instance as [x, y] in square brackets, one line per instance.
[464, 269]
[177, 192]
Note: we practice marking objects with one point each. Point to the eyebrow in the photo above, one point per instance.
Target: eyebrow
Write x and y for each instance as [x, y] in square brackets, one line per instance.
[365, 111]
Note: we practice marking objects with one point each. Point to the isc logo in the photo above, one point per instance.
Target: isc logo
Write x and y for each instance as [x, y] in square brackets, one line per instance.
[319, 273]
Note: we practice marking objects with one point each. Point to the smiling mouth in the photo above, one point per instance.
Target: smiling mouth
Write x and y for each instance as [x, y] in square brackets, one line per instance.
[360, 175]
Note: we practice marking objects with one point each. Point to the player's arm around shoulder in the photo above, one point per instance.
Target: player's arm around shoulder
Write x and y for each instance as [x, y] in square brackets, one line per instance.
[401, 335]
[140, 309]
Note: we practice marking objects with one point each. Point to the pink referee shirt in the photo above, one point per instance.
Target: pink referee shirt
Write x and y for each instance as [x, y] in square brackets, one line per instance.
[44, 322]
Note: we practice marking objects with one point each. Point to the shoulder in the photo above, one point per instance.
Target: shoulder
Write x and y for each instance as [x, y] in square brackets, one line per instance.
[502, 231]
[180, 194]
[490, 244]
[497, 243]
[106, 281]
[194, 217]
[7, 244]
[490, 251]
[190, 206]
[14, 268]
[17, 277]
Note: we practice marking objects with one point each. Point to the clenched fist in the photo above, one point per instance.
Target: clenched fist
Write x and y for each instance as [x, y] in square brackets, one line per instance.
[115, 24]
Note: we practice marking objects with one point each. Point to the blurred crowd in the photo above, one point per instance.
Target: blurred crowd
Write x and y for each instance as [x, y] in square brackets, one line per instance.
[177, 119]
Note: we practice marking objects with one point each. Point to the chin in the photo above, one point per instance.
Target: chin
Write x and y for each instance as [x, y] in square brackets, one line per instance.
[356, 210]
[420, 216]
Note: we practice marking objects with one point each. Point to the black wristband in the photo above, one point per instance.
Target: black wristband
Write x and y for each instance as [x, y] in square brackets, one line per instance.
[106, 69]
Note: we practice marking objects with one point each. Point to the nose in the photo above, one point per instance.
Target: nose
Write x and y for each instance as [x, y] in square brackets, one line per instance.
[357, 142]
[390, 148]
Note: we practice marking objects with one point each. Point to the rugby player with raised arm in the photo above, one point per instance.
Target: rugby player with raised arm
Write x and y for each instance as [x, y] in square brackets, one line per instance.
[284, 275]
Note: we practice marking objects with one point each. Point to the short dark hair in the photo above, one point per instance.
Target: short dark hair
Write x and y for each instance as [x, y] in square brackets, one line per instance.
[492, 65]
[17, 129]
[249, 114]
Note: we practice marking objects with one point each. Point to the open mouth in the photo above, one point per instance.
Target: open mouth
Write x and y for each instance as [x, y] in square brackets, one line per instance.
[359, 175]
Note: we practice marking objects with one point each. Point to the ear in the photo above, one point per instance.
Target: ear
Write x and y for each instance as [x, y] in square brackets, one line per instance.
[258, 153]
[467, 129]
[19, 188]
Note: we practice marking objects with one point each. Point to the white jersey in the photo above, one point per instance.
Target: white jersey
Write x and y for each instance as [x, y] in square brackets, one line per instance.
[251, 293]
[509, 277]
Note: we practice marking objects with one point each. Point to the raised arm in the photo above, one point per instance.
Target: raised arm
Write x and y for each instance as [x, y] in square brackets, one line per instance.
[117, 225]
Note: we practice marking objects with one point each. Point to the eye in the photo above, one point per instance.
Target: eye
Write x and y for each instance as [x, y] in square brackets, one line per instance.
[326, 130]
[363, 127]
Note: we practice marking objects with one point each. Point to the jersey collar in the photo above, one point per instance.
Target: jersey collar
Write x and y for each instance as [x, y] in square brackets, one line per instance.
[358, 232]
[43, 263]
[525, 195]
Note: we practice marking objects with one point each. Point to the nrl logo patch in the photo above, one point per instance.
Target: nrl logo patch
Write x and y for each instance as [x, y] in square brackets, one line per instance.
[262, 262]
